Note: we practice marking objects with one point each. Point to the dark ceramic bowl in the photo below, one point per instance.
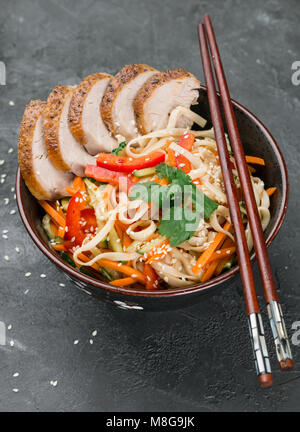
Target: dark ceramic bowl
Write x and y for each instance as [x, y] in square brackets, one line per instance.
[257, 140]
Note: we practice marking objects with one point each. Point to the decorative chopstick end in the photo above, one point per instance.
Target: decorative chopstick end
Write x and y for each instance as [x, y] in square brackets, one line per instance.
[265, 380]
[286, 365]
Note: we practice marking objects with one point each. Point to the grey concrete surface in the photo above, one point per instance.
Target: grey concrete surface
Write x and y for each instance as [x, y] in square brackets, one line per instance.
[192, 359]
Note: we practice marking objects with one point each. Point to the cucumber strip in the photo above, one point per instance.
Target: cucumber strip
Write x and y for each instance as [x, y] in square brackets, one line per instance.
[114, 241]
[68, 259]
[65, 203]
[144, 172]
[47, 227]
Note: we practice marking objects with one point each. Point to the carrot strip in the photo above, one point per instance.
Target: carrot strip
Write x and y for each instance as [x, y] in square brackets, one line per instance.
[121, 231]
[123, 269]
[123, 282]
[162, 182]
[157, 252]
[85, 259]
[59, 246]
[171, 154]
[58, 218]
[151, 278]
[70, 190]
[271, 190]
[255, 160]
[222, 253]
[209, 271]
[78, 184]
[204, 258]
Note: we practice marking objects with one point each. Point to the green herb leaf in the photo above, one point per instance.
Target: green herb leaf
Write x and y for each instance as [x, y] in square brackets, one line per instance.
[181, 219]
[120, 148]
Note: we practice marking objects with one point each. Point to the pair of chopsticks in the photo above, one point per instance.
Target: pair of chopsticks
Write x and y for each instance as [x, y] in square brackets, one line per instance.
[261, 357]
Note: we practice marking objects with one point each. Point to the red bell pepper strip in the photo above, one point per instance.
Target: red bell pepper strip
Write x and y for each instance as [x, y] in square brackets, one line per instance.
[128, 165]
[186, 141]
[79, 220]
[104, 175]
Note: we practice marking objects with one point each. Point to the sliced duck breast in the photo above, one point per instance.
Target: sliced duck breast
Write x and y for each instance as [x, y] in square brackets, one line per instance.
[65, 152]
[43, 180]
[85, 121]
[117, 103]
[160, 94]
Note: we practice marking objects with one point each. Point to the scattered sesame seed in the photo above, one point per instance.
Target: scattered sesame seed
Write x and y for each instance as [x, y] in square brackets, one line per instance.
[15, 390]
[76, 342]
[62, 285]
[27, 274]
[12, 189]
[16, 374]
[4, 236]
[6, 257]
[5, 231]
[17, 249]
[11, 343]
[26, 291]
[2, 162]
[54, 383]
[6, 201]
[91, 341]
[9, 327]
[42, 275]
[94, 333]
[228, 252]
[10, 150]
[13, 211]
[11, 103]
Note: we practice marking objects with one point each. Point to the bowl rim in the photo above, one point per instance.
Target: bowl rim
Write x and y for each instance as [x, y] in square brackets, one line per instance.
[55, 258]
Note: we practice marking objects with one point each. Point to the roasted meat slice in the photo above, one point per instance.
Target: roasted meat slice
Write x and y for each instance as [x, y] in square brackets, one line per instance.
[116, 107]
[160, 94]
[65, 152]
[85, 120]
[43, 180]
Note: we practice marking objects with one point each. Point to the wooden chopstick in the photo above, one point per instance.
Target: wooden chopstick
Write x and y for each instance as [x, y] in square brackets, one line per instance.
[269, 287]
[252, 307]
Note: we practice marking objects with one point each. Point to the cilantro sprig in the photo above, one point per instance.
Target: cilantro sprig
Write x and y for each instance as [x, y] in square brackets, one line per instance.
[119, 149]
[181, 201]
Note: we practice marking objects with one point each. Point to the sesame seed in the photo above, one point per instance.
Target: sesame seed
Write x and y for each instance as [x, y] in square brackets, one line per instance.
[10, 150]
[11, 103]
[12, 189]
[91, 341]
[4, 236]
[76, 342]
[17, 249]
[5, 231]
[54, 383]
[43, 275]
[6, 201]
[15, 390]
[9, 327]
[62, 285]
[26, 291]
[16, 374]
[13, 211]
[94, 333]
[11, 343]
[2, 162]
[134, 275]
[6, 257]
[228, 252]
[27, 274]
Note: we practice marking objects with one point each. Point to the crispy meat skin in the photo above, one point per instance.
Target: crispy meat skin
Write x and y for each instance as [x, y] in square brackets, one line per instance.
[31, 115]
[53, 111]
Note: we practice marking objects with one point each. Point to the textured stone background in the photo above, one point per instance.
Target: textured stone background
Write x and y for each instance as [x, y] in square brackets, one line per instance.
[193, 359]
